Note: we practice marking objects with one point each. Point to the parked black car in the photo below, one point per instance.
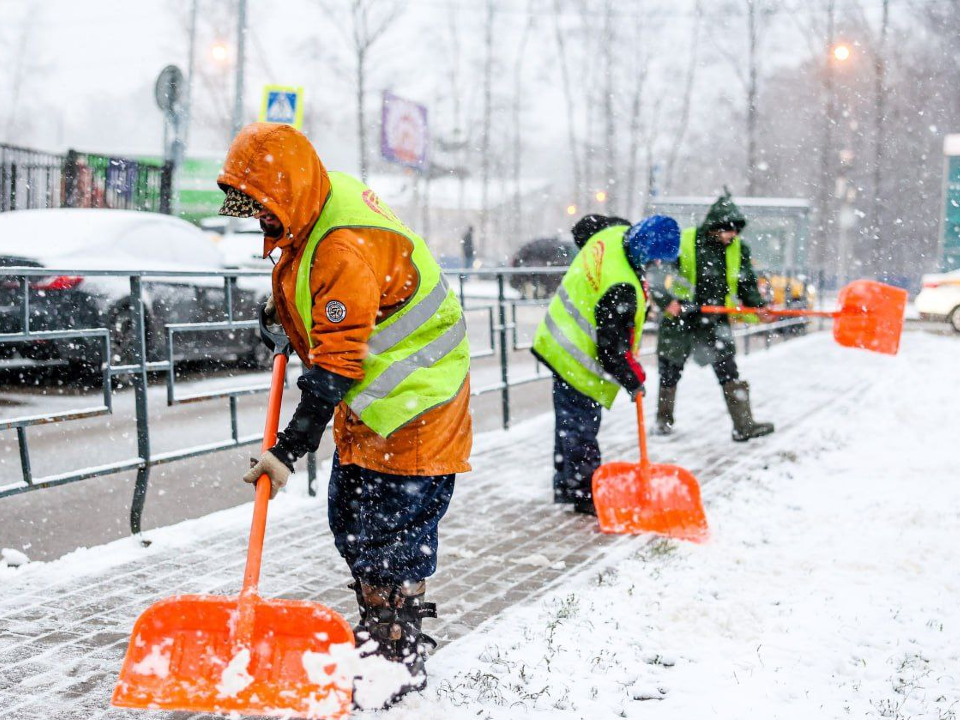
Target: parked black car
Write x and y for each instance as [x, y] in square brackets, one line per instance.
[74, 240]
[543, 252]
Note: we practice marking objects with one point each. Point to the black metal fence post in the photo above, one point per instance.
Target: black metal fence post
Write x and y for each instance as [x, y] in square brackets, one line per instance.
[70, 171]
[140, 399]
[13, 186]
[820, 297]
[166, 188]
[504, 373]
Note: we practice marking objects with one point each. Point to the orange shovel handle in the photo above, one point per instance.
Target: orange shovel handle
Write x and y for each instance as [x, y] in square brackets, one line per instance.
[258, 528]
[642, 437]
[738, 310]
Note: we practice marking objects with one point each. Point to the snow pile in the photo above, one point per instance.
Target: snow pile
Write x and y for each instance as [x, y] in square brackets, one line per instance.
[829, 588]
[10, 561]
[235, 677]
[375, 679]
[13, 558]
[156, 662]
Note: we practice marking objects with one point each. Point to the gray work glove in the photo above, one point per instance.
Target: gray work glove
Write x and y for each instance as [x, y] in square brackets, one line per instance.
[270, 311]
[275, 469]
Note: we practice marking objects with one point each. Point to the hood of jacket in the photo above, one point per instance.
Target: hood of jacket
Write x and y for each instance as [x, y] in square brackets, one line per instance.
[724, 214]
[277, 166]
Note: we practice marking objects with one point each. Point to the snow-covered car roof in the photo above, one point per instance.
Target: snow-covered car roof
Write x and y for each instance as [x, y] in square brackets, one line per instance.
[99, 237]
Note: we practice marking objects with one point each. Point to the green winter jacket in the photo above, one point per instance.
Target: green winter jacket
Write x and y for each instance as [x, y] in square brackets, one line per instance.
[707, 337]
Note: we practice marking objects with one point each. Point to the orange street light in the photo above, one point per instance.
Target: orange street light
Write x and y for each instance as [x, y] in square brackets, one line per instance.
[841, 52]
[220, 52]
[571, 209]
[601, 196]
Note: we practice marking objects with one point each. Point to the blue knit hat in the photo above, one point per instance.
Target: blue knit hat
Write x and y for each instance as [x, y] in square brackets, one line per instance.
[656, 238]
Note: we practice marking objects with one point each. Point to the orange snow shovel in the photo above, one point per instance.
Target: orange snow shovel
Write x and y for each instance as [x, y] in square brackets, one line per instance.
[870, 316]
[633, 498]
[209, 653]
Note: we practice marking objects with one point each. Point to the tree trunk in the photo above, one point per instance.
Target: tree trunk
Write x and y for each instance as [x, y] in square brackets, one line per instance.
[684, 120]
[568, 97]
[880, 102]
[608, 42]
[517, 132]
[753, 72]
[824, 193]
[361, 114]
[484, 245]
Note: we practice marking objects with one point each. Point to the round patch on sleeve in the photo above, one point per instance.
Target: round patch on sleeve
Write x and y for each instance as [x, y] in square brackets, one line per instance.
[336, 311]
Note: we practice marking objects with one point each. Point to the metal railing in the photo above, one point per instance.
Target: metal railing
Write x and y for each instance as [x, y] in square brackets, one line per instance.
[32, 179]
[500, 320]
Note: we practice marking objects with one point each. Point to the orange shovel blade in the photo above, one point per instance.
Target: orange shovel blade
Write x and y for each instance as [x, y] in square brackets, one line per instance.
[669, 504]
[870, 316]
[182, 657]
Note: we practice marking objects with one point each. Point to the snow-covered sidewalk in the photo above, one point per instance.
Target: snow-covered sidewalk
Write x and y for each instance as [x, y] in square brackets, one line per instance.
[829, 588]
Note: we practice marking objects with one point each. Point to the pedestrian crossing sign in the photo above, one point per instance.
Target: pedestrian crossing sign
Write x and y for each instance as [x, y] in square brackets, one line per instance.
[282, 105]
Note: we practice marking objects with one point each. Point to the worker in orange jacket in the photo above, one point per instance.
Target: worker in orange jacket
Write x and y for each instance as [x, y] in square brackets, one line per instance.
[383, 345]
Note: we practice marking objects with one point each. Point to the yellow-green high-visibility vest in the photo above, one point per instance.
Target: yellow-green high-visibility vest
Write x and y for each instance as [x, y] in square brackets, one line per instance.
[567, 337]
[684, 288]
[418, 357]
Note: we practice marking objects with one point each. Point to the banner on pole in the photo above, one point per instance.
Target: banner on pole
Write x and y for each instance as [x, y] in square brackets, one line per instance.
[404, 132]
[282, 105]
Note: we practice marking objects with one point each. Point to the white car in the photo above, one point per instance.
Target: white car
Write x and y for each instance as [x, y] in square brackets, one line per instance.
[240, 242]
[939, 299]
[74, 240]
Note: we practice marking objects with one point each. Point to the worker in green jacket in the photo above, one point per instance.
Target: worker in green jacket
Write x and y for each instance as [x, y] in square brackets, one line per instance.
[713, 268]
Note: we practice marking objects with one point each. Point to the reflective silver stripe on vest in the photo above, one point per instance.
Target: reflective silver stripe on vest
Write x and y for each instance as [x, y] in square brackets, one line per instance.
[411, 321]
[399, 371]
[578, 355]
[575, 314]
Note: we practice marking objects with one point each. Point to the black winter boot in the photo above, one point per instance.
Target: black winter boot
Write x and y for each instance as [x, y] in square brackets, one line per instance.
[392, 616]
[584, 506]
[665, 402]
[737, 395]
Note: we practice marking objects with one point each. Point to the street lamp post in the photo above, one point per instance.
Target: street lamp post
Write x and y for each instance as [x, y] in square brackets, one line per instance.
[238, 92]
[191, 64]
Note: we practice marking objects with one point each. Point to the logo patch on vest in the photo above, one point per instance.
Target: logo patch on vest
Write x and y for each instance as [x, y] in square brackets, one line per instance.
[592, 263]
[336, 311]
[373, 202]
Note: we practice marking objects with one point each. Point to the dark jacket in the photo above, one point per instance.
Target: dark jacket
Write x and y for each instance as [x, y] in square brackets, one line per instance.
[707, 336]
[712, 277]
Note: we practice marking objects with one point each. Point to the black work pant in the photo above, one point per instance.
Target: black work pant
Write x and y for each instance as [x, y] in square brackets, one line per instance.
[385, 526]
[576, 452]
[725, 369]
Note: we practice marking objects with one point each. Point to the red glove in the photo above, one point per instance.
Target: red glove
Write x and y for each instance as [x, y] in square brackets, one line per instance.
[637, 369]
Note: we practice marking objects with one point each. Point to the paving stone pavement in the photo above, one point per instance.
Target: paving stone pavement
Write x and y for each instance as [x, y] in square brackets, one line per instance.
[62, 641]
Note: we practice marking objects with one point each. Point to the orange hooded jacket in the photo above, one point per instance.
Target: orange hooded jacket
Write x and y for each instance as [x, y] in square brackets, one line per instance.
[369, 271]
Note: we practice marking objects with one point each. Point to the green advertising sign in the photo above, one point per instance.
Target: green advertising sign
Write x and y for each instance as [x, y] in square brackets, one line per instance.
[200, 196]
[950, 241]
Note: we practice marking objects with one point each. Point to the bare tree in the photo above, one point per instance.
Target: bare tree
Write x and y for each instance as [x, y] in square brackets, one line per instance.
[568, 98]
[19, 71]
[607, 45]
[818, 25]
[639, 74]
[455, 88]
[517, 130]
[490, 15]
[756, 14]
[686, 98]
[879, 139]
[366, 24]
